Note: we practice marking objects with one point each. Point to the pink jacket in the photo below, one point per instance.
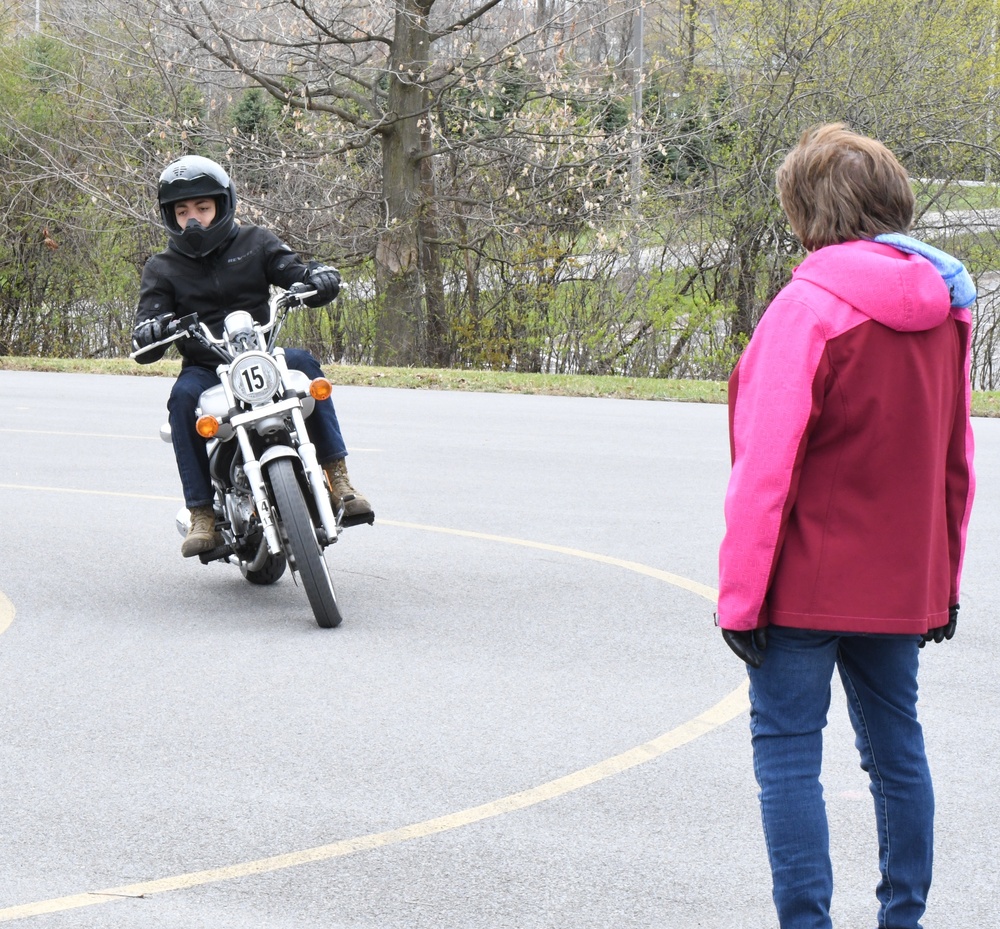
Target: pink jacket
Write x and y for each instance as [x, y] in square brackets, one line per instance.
[851, 441]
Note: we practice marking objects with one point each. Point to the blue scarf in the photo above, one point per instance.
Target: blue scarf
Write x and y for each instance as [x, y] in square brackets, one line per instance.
[960, 285]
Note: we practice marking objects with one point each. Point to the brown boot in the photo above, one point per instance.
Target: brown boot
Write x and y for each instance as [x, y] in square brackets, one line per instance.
[341, 490]
[202, 536]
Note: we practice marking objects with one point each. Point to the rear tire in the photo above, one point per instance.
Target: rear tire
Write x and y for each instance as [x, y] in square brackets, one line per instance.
[304, 554]
[272, 569]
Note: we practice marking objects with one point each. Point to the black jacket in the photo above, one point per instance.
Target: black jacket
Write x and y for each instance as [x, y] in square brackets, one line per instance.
[236, 276]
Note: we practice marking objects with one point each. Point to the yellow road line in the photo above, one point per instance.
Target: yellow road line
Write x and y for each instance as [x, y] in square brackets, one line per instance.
[105, 435]
[702, 590]
[84, 435]
[725, 710]
[6, 613]
[97, 493]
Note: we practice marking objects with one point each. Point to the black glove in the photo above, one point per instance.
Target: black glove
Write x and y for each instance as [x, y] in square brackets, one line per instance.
[748, 645]
[152, 330]
[941, 633]
[326, 280]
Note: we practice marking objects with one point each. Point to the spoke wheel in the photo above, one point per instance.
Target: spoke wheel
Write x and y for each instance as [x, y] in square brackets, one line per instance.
[302, 549]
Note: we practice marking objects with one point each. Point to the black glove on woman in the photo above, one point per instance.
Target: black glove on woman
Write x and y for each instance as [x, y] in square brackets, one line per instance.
[941, 633]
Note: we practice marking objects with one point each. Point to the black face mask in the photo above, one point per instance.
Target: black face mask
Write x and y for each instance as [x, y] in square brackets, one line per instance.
[194, 234]
[195, 240]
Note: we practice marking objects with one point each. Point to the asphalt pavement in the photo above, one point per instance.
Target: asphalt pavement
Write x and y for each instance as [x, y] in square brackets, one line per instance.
[525, 721]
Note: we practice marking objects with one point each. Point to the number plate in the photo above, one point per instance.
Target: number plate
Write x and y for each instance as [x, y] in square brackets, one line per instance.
[254, 377]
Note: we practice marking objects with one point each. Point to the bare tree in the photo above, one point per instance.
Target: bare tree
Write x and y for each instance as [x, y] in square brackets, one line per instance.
[482, 170]
[390, 76]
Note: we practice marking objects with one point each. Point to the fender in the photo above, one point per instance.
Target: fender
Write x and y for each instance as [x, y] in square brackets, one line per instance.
[312, 473]
[278, 451]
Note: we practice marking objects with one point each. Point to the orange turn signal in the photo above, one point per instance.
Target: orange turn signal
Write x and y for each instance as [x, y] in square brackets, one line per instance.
[320, 389]
[207, 426]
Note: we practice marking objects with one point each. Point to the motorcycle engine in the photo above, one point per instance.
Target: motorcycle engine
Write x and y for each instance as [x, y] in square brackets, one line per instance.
[240, 504]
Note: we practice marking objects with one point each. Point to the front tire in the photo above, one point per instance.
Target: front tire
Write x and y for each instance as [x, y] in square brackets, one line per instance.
[303, 551]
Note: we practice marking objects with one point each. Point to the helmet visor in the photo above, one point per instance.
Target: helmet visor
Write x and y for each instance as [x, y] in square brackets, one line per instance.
[189, 188]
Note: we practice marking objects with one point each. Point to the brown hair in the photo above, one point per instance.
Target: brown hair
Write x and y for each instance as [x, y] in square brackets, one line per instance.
[836, 185]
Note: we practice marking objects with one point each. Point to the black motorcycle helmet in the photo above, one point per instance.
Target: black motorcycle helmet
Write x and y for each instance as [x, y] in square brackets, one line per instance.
[188, 178]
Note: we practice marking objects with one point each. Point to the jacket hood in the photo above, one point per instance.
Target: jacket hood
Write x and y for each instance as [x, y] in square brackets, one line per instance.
[899, 290]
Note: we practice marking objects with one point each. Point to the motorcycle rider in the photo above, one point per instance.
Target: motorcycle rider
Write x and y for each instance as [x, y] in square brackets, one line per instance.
[213, 265]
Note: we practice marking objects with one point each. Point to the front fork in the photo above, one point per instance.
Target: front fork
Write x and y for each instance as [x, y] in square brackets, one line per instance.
[255, 477]
[315, 478]
[305, 451]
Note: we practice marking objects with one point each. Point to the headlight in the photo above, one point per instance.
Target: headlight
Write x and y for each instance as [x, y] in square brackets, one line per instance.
[254, 377]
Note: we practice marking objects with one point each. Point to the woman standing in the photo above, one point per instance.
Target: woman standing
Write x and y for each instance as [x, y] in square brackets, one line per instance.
[846, 513]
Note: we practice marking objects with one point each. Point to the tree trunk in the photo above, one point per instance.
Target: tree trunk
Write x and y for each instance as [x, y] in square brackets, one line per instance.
[438, 353]
[407, 255]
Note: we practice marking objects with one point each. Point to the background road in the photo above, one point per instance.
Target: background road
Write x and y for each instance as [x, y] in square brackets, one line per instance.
[161, 718]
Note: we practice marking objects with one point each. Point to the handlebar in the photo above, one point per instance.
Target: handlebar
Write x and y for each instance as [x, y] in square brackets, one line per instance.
[184, 323]
[296, 295]
[190, 327]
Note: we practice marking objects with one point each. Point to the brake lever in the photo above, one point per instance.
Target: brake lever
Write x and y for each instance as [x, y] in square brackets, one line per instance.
[294, 297]
[185, 323]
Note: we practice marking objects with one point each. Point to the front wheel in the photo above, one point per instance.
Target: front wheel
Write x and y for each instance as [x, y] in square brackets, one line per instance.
[298, 534]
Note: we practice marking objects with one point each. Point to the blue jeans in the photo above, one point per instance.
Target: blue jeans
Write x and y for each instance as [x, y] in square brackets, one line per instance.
[789, 699]
[191, 450]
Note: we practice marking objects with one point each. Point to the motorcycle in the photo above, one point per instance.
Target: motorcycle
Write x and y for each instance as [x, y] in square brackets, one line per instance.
[272, 506]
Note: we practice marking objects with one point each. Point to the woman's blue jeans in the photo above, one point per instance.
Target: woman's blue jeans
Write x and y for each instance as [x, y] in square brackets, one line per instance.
[790, 697]
[190, 449]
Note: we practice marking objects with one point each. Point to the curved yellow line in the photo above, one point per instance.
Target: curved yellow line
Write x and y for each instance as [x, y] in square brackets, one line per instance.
[82, 435]
[725, 710]
[92, 493]
[709, 593]
[6, 613]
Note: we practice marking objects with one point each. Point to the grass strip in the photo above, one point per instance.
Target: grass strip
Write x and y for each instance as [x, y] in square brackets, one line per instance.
[984, 403]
